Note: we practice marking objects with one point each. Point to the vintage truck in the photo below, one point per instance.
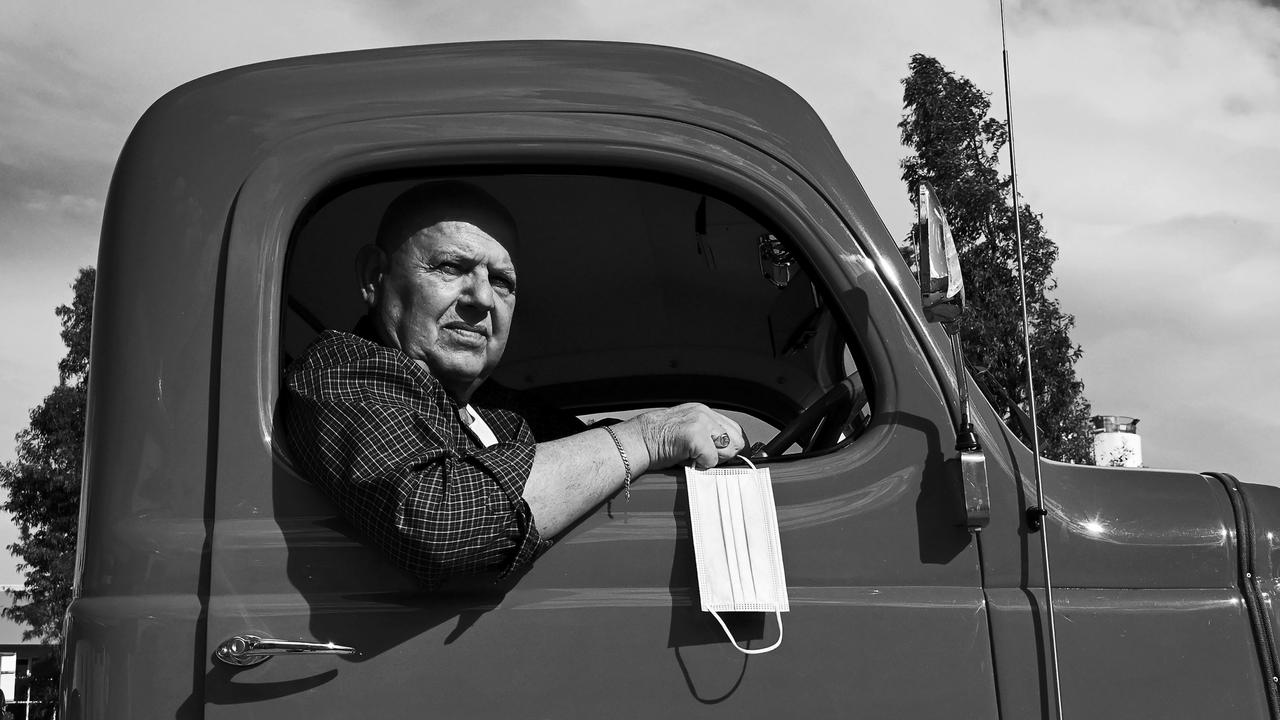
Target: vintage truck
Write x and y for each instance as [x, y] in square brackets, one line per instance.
[689, 231]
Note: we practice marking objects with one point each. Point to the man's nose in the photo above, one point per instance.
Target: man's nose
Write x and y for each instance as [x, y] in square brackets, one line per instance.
[478, 293]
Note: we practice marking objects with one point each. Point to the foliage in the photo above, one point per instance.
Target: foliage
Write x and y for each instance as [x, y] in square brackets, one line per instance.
[957, 147]
[1118, 458]
[43, 483]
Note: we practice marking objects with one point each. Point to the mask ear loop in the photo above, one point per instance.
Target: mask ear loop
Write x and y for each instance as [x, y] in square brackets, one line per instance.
[776, 613]
[748, 651]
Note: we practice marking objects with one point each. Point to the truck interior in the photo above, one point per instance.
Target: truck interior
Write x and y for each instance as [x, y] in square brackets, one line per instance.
[636, 291]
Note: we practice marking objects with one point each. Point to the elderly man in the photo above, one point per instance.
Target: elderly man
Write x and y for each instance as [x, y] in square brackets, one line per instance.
[382, 418]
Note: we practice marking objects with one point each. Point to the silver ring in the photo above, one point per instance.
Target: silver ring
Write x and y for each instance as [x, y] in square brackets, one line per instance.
[721, 440]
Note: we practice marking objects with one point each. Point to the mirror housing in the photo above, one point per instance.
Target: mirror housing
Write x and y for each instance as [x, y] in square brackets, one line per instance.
[941, 283]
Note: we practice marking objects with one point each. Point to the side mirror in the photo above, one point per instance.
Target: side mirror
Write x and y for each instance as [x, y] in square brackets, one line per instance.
[942, 295]
[941, 284]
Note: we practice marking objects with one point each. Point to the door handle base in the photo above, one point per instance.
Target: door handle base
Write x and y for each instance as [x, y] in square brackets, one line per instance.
[248, 650]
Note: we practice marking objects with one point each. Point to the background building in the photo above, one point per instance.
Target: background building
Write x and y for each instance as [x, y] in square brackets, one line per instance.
[17, 657]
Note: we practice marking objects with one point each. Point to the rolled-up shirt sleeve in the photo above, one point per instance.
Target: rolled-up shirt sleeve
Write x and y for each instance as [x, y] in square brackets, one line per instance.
[377, 433]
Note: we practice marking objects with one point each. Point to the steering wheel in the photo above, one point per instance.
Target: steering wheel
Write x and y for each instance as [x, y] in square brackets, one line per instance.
[838, 402]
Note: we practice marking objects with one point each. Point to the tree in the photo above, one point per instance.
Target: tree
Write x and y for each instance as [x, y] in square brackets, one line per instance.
[957, 148]
[43, 483]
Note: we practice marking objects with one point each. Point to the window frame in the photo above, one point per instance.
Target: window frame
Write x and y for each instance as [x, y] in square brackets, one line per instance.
[312, 166]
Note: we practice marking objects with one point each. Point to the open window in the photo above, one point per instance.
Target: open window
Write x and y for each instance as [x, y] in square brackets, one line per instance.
[636, 291]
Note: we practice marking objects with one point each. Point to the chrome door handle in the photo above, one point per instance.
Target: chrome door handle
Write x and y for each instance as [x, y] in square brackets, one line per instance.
[247, 650]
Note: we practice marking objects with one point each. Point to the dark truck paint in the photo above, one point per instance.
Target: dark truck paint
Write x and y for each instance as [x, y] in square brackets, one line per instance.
[196, 528]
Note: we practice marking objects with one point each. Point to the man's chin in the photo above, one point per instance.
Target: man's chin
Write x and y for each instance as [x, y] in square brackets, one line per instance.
[459, 375]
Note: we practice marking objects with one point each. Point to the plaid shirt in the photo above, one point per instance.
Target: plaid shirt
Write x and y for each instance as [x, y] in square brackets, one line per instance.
[381, 436]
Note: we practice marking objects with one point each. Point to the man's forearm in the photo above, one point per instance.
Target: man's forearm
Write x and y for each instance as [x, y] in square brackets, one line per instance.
[574, 474]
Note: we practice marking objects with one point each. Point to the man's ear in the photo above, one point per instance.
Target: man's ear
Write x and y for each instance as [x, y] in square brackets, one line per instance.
[371, 262]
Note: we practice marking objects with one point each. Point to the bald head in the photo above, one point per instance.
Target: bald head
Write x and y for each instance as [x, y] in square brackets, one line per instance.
[422, 206]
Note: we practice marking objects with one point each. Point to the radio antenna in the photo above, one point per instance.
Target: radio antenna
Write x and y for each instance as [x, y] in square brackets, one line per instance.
[1036, 515]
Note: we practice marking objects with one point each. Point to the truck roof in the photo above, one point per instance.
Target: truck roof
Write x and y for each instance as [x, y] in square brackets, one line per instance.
[229, 120]
[259, 104]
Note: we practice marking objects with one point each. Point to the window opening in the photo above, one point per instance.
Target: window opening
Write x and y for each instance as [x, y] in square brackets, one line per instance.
[635, 292]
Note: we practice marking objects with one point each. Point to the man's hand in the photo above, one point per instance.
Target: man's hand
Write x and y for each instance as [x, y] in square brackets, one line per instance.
[689, 432]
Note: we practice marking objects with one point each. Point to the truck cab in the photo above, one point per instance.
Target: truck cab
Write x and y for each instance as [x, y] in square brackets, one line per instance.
[689, 232]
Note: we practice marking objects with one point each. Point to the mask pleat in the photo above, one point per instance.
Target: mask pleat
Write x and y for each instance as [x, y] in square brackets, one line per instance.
[713, 555]
[734, 545]
[757, 528]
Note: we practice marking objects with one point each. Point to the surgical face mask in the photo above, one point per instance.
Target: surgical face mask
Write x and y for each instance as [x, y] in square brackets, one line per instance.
[736, 544]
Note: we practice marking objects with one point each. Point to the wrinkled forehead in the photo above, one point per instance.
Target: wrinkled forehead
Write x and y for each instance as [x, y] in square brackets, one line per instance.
[446, 202]
[460, 240]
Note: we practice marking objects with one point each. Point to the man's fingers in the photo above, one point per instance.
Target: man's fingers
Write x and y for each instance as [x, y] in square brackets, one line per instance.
[731, 439]
[708, 439]
[723, 441]
[705, 455]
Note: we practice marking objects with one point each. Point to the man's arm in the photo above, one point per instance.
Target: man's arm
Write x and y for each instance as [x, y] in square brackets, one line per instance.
[574, 474]
[360, 420]
[374, 431]
[434, 511]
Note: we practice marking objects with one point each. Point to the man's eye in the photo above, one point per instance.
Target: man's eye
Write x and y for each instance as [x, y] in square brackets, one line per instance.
[504, 283]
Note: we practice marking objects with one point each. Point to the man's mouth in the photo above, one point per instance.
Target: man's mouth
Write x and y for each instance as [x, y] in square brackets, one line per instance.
[467, 331]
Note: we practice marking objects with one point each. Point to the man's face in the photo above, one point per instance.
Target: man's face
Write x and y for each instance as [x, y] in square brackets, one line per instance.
[445, 299]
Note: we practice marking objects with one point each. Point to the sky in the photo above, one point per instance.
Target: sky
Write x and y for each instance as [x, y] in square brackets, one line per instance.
[1148, 136]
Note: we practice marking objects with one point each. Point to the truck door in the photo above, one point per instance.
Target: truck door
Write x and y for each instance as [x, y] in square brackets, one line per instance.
[888, 617]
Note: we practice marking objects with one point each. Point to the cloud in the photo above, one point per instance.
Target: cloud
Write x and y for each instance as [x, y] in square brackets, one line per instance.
[466, 20]
[1220, 266]
[54, 112]
[44, 202]
[28, 295]
[34, 182]
[1203, 405]
[50, 212]
[1176, 320]
[1123, 101]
